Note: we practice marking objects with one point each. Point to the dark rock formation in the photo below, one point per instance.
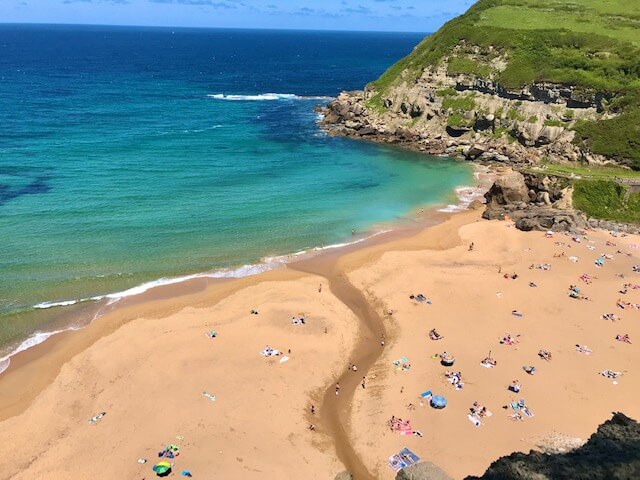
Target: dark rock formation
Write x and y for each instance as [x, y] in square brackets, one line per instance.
[533, 202]
[612, 453]
[509, 189]
[422, 471]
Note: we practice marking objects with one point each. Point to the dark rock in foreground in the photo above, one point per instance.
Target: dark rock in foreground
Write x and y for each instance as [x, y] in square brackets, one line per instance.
[422, 471]
[612, 453]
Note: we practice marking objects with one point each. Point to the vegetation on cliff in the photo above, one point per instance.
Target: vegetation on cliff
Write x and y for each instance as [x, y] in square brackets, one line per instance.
[591, 45]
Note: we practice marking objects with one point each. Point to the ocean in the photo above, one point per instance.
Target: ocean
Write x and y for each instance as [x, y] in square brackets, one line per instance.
[132, 156]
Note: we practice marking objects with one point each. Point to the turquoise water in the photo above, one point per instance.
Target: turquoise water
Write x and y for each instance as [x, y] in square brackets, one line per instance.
[121, 163]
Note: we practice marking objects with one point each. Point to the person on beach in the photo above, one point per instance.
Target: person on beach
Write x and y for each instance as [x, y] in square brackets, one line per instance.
[471, 247]
[313, 410]
[363, 382]
[382, 340]
[337, 388]
[320, 289]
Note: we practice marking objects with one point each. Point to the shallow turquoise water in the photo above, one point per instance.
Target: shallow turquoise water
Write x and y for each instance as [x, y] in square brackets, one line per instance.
[119, 167]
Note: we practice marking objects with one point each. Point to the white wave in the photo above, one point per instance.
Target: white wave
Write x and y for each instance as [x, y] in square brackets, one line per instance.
[35, 339]
[267, 263]
[465, 195]
[347, 244]
[263, 97]
[64, 303]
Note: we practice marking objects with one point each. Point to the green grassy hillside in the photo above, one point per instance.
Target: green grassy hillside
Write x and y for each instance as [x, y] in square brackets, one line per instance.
[591, 44]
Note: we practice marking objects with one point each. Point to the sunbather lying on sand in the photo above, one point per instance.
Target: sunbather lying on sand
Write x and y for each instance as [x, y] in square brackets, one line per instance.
[509, 340]
[419, 298]
[479, 410]
[574, 292]
[95, 419]
[584, 349]
[489, 362]
[624, 338]
[541, 266]
[610, 374]
[455, 378]
[434, 335]
[624, 305]
[298, 320]
[514, 386]
[269, 352]
[545, 355]
[610, 316]
[529, 369]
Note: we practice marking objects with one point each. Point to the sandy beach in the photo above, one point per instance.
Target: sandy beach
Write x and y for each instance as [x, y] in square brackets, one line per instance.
[149, 365]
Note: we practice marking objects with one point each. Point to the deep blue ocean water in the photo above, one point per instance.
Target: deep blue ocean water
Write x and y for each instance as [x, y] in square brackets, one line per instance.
[120, 162]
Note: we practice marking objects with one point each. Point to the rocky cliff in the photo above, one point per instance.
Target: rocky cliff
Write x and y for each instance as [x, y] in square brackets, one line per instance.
[502, 84]
[613, 452]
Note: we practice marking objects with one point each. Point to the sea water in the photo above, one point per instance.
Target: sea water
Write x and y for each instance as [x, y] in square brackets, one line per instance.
[129, 155]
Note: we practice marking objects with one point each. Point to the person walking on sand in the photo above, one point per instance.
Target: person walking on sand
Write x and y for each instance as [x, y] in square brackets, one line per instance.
[363, 380]
[337, 388]
[320, 289]
[382, 340]
[471, 247]
[313, 410]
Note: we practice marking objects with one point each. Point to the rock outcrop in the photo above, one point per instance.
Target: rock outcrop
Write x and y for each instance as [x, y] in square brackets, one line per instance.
[533, 202]
[613, 452]
[479, 125]
[422, 471]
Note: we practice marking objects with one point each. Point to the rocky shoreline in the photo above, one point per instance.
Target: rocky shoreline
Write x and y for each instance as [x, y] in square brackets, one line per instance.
[534, 201]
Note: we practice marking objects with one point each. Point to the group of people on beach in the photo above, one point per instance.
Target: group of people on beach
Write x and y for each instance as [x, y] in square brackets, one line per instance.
[519, 410]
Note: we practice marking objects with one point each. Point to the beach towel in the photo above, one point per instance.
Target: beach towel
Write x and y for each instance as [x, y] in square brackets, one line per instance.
[527, 412]
[284, 359]
[426, 394]
[474, 420]
[402, 459]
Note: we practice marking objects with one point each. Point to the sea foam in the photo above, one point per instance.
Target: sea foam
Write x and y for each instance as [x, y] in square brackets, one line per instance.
[263, 97]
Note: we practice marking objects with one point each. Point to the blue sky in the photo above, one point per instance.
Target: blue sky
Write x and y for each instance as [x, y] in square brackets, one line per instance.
[386, 15]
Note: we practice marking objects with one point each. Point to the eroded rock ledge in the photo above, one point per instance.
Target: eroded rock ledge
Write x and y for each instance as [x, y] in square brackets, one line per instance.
[613, 452]
[470, 117]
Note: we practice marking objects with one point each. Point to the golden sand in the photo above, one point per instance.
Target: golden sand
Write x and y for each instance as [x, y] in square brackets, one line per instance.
[147, 365]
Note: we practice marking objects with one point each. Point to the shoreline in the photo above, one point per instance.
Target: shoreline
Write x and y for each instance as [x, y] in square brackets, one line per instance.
[368, 285]
[181, 292]
[100, 305]
[37, 368]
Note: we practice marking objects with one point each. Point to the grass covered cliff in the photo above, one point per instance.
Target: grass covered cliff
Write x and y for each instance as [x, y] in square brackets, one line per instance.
[505, 47]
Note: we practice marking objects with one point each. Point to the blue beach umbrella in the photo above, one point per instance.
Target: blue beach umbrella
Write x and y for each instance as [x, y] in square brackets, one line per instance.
[438, 401]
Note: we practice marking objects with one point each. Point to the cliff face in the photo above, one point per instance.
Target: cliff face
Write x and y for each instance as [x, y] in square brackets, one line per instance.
[613, 452]
[512, 80]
